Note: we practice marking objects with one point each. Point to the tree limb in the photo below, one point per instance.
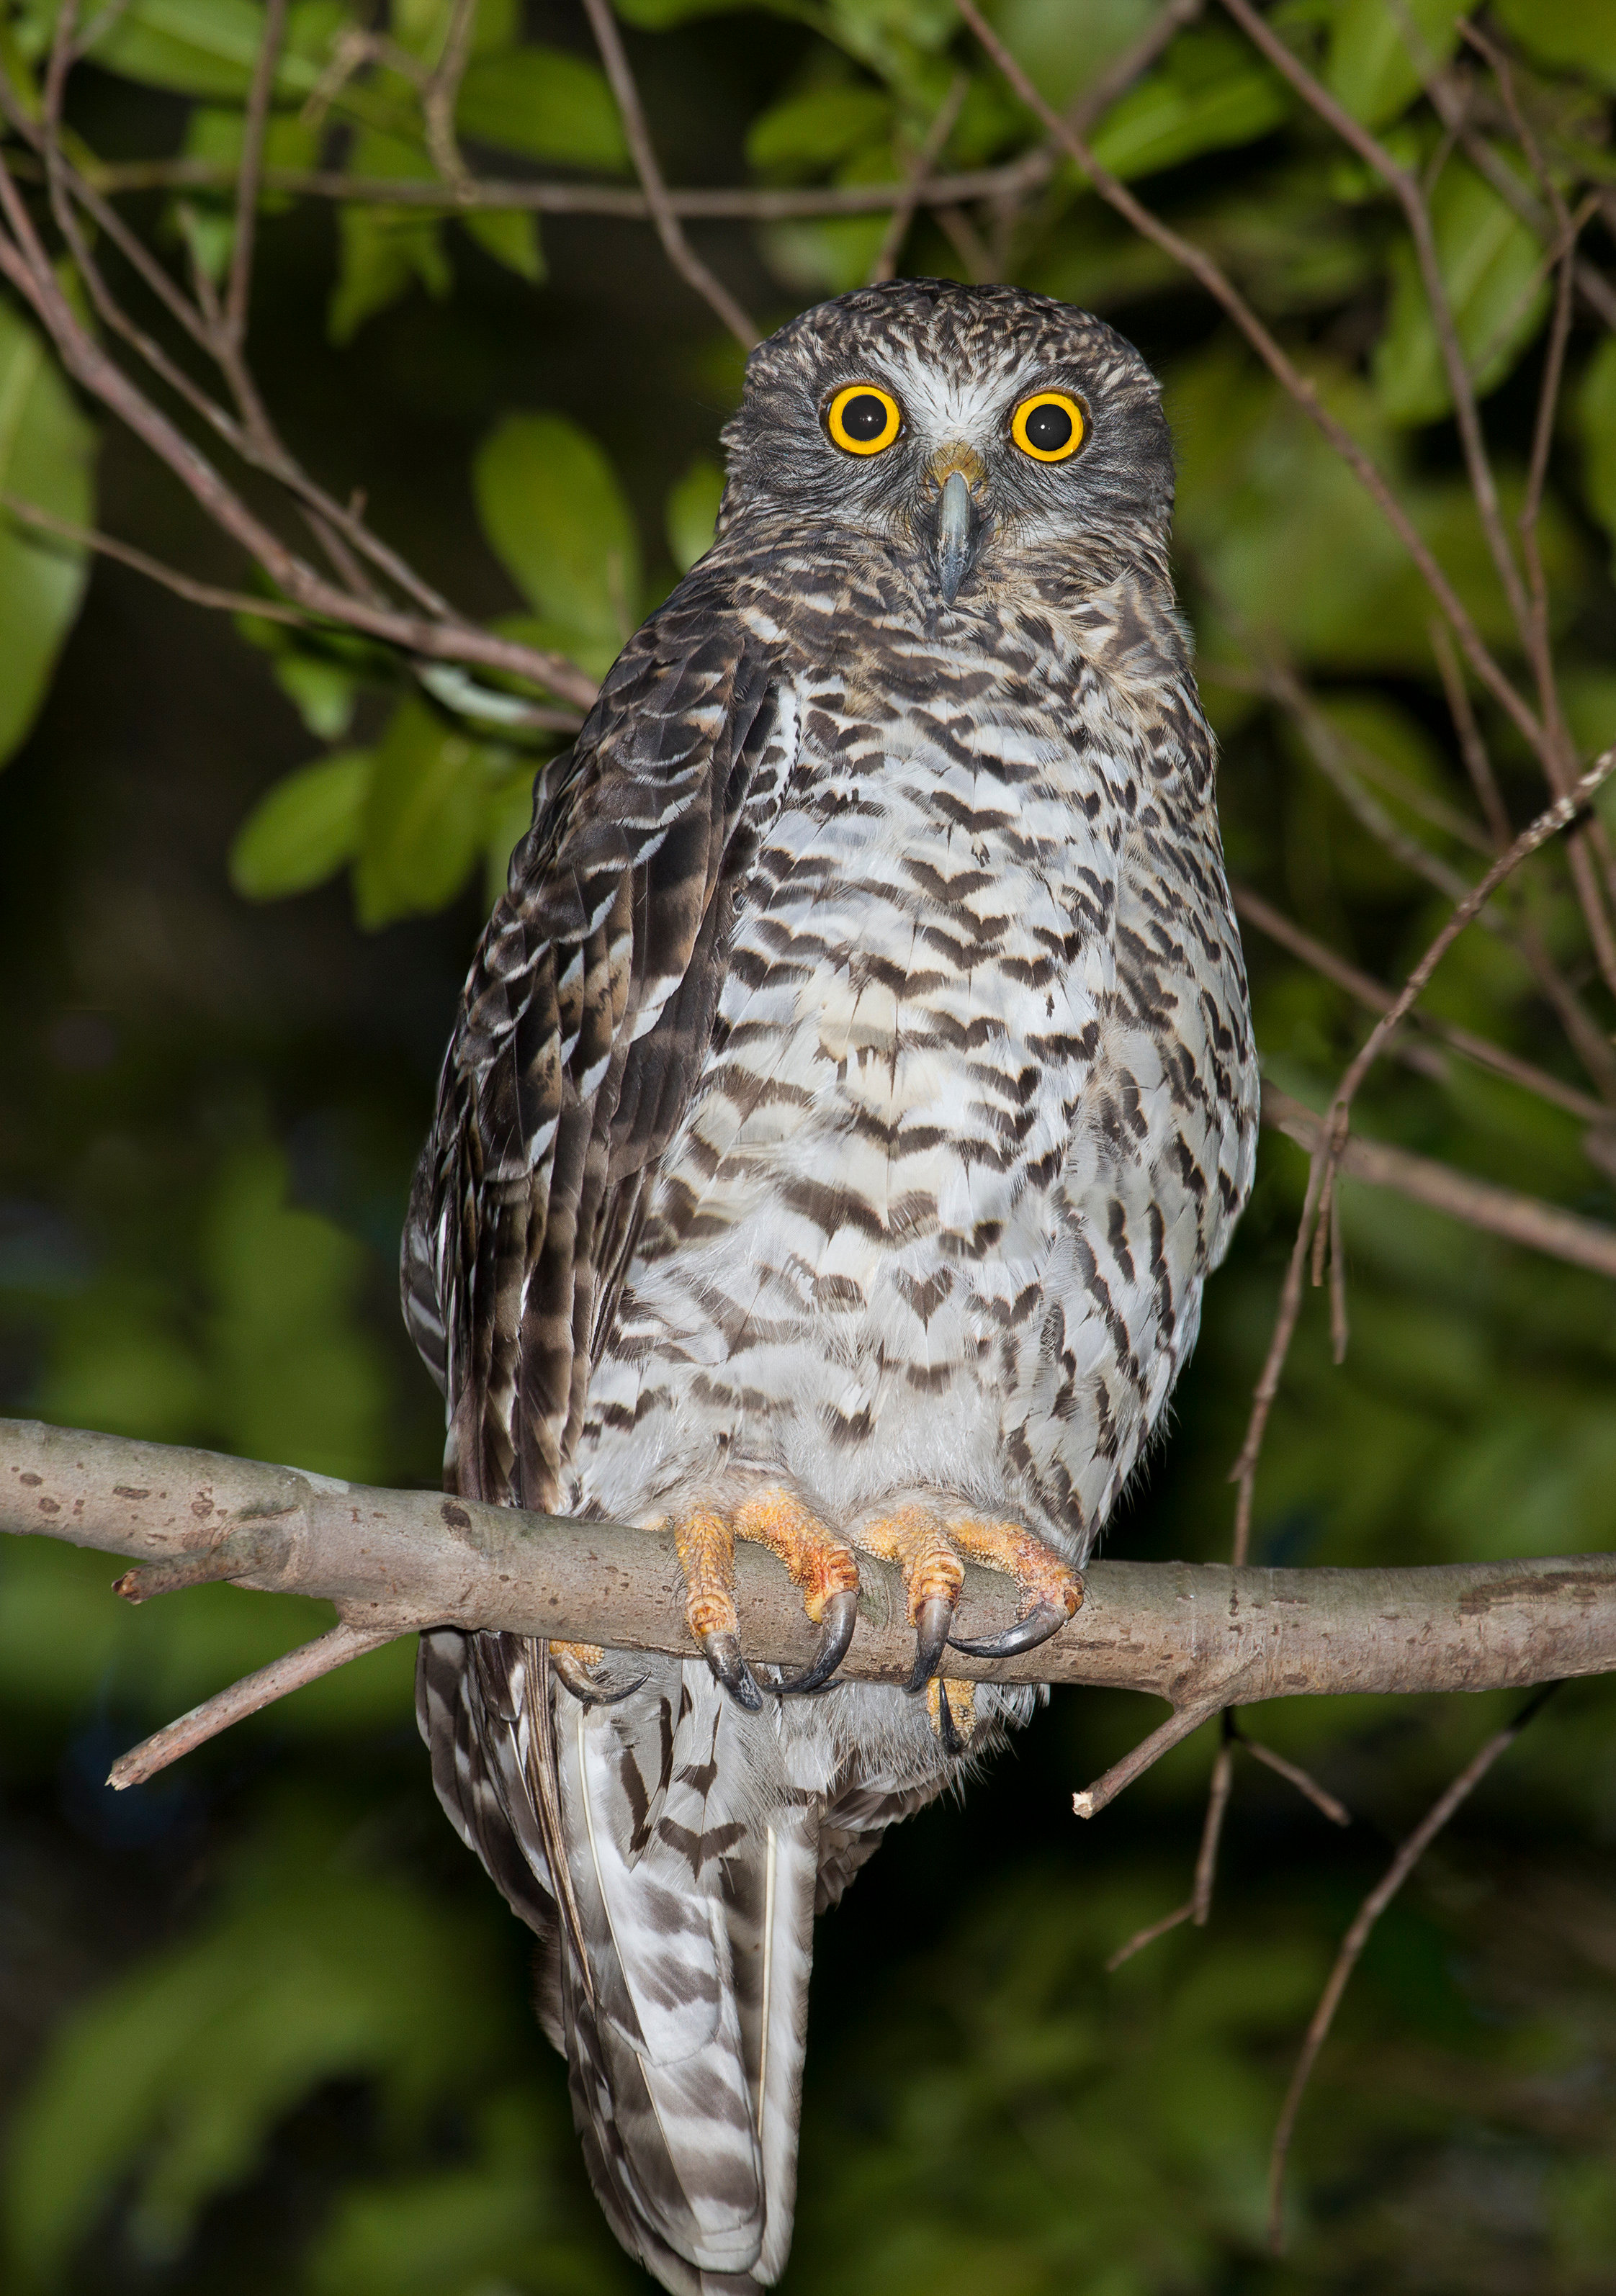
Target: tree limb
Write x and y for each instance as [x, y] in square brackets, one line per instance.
[1199, 1635]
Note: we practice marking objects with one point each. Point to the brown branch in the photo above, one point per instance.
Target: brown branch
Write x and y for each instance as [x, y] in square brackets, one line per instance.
[1352, 1945]
[238, 294]
[440, 93]
[23, 262]
[1200, 1635]
[677, 249]
[1293, 1774]
[248, 1696]
[1479, 1203]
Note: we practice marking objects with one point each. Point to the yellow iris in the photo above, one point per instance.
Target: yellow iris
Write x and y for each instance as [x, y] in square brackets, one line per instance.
[863, 419]
[1048, 426]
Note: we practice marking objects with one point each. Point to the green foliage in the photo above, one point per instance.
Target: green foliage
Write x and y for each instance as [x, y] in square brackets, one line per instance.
[546, 104]
[692, 510]
[553, 510]
[45, 447]
[1491, 266]
[1381, 49]
[308, 1970]
[305, 830]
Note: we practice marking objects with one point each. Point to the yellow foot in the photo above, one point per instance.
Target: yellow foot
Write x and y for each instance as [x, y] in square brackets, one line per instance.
[952, 1706]
[819, 1562]
[928, 1550]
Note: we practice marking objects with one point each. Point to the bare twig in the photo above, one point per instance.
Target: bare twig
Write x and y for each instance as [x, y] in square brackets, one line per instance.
[1253, 909]
[239, 292]
[248, 1696]
[1293, 1774]
[1500, 1211]
[1477, 764]
[677, 249]
[1352, 1945]
[885, 266]
[440, 93]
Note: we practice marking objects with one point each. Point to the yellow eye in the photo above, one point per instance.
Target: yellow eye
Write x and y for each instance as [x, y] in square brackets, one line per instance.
[1048, 426]
[863, 419]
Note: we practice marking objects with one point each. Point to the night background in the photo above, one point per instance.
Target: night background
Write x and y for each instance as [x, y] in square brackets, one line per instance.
[265, 2025]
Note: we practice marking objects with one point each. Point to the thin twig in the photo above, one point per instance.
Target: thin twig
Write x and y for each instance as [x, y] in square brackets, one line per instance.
[885, 266]
[248, 1696]
[677, 249]
[440, 93]
[238, 294]
[1507, 1212]
[1293, 1774]
[1352, 1945]
[1477, 764]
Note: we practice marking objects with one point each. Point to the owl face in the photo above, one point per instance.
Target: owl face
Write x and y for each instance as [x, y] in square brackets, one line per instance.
[974, 429]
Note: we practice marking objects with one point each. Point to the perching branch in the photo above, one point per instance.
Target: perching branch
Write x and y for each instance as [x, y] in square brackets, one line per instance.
[1201, 1636]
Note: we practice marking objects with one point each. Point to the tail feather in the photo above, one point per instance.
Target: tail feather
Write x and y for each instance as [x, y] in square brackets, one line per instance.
[670, 1852]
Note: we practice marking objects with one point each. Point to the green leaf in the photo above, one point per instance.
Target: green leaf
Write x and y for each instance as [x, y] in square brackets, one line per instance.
[1573, 34]
[424, 816]
[1597, 422]
[1489, 263]
[385, 251]
[1210, 91]
[510, 236]
[691, 511]
[546, 104]
[552, 507]
[809, 133]
[1062, 54]
[324, 693]
[303, 829]
[45, 449]
[1375, 66]
[209, 47]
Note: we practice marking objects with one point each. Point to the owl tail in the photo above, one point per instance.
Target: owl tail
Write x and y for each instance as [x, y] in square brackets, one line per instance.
[693, 1869]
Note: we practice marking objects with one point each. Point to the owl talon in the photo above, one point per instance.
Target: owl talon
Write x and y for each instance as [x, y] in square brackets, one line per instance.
[932, 1619]
[1043, 1619]
[574, 1675]
[837, 1621]
[724, 1656]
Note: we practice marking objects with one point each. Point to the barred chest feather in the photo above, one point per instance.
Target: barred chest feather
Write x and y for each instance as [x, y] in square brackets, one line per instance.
[978, 1111]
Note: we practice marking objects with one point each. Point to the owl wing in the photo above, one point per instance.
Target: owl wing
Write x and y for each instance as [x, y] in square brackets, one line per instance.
[581, 1033]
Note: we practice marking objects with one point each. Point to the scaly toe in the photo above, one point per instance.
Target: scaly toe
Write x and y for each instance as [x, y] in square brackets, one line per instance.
[1043, 1619]
[837, 1621]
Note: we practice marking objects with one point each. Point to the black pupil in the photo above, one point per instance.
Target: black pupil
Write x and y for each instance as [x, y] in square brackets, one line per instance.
[1049, 429]
[865, 417]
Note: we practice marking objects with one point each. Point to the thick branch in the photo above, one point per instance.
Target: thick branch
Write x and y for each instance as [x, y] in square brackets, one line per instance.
[1199, 1635]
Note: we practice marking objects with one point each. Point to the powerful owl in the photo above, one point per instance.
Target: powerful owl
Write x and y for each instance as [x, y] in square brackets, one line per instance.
[849, 1098]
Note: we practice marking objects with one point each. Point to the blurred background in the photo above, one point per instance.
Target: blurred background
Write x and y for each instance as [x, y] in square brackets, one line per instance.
[264, 2024]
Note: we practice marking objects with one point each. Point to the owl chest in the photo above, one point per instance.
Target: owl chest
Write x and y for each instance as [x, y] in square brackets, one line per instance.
[915, 991]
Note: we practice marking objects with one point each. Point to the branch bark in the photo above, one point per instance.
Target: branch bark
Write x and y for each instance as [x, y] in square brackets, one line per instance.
[1199, 1635]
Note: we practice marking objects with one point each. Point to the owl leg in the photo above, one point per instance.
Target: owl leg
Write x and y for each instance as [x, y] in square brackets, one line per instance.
[952, 1706]
[819, 1562]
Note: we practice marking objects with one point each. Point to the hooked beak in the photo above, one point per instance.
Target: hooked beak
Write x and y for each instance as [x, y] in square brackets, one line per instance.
[958, 535]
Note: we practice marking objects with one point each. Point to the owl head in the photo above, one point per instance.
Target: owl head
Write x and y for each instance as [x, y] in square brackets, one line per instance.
[973, 427]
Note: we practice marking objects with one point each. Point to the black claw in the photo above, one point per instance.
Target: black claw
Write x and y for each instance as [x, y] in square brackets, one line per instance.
[836, 1625]
[931, 1624]
[1043, 1619]
[954, 1745]
[724, 1655]
[573, 1678]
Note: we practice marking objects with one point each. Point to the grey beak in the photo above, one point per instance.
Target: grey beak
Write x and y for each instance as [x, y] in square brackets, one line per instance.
[958, 534]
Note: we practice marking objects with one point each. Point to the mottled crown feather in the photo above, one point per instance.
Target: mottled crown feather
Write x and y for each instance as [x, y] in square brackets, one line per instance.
[965, 354]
